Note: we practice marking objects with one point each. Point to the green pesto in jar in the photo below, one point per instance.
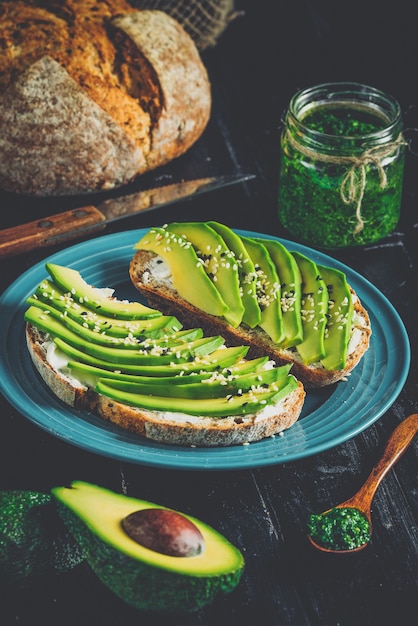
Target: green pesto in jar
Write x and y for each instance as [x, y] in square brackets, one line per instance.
[343, 121]
[331, 193]
[341, 528]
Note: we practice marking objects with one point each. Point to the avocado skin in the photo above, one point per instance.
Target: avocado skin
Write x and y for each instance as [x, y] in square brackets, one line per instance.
[139, 584]
[34, 542]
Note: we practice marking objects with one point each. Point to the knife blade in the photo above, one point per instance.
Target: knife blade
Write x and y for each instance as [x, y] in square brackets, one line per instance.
[78, 222]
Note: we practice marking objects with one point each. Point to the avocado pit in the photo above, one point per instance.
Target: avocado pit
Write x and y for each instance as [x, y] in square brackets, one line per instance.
[164, 531]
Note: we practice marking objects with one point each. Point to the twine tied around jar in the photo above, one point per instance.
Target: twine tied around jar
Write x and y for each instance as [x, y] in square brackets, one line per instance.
[353, 184]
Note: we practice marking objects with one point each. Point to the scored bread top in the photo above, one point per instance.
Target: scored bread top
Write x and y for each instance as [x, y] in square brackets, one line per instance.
[82, 162]
[139, 67]
[76, 36]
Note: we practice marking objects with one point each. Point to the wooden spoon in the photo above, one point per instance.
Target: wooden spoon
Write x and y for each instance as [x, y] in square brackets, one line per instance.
[362, 500]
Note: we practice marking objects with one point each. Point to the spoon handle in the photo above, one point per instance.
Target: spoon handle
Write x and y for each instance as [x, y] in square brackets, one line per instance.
[395, 447]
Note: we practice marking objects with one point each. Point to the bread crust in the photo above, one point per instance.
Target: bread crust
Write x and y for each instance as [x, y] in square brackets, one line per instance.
[135, 79]
[43, 130]
[180, 71]
[165, 298]
[167, 428]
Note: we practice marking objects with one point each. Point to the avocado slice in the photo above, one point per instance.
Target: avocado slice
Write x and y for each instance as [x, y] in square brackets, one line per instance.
[267, 288]
[150, 354]
[126, 341]
[188, 275]
[339, 318]
[92, 373]
[246, 274]
[72, 282]
[218, 262]
[290, 291]
[34, 542]
[223, 357]
[224, 406]
[314, 310]
[142, 577]
[49, 294]
[217, 386]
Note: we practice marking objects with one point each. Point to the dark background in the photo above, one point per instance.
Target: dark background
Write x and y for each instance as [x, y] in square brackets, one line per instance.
[262, 58]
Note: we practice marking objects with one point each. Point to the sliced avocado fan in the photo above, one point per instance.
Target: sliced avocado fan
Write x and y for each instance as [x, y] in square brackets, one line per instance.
[283, 292]
[135, 361]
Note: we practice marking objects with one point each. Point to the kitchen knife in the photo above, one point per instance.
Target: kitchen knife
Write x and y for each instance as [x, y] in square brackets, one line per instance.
[78, 222]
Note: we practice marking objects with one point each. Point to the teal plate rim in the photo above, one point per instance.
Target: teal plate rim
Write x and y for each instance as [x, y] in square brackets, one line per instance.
[330, 416]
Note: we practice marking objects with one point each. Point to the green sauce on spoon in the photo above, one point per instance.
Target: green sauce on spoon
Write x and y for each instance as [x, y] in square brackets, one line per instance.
[347, 527]
[342, 528]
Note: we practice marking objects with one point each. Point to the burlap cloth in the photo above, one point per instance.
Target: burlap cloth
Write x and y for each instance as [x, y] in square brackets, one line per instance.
[204, 20]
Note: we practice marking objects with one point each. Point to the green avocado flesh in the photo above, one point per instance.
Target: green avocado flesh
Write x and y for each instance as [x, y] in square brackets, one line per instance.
[314, 310]
[282, 292]
[101, 335]
[148, 352]
[168, 377]
[142, 577]
[290, 291]
[163, 367]
[218, 262]
[34, 542]
[225, 357]
[48, 295]
[218, 385]
[340, 317]
[71, 281]
[189, 276]
[239, 404]
[246, 274]
[267, 289]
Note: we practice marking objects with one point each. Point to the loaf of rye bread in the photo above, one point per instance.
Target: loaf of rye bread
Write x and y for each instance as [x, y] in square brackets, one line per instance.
[93, 94]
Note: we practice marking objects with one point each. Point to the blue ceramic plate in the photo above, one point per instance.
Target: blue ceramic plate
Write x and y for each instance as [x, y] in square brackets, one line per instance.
[329, 417]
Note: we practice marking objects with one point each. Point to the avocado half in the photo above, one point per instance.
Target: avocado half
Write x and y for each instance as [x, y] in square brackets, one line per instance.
[144, 578]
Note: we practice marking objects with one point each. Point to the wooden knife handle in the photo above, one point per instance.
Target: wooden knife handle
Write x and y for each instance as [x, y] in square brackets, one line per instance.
[50, 230]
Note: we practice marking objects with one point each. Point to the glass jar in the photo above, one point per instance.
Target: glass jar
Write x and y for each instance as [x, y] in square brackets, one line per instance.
[342, 164]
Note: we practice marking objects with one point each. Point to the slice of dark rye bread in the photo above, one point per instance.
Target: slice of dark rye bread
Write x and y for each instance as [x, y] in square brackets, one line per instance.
[157, 288]
[165, 427]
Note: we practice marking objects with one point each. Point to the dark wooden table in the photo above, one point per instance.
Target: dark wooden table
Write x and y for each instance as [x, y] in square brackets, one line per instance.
[262, 58]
